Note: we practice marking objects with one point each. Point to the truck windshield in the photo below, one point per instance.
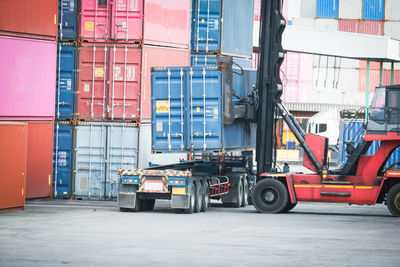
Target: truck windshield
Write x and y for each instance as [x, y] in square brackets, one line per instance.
[377, 110]
[393, 106]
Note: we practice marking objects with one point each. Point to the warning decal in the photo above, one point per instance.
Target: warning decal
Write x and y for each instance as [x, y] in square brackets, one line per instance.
[99, 72]
[89, 26]
[162, 106]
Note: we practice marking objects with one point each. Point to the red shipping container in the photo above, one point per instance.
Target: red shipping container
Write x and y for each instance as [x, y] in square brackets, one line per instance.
[349, 25]
[157, 57]
[167, 23]
[374, 27]
[40, 159]
[27, 18]
[13, 151]
[109, 82]
[387, 77]
[118, 20]
[374, 78]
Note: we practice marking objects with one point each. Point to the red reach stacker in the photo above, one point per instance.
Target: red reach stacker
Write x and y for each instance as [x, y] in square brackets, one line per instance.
[362, 180]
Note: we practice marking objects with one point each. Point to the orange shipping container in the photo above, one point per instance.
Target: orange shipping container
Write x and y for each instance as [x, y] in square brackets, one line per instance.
[13, 150]
[40, 159]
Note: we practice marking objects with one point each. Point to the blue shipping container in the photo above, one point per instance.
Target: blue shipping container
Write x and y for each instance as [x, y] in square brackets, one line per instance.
[62, 159]
[187, 110]
[212, 60]
[327, 8]
[67, 14]
[65, 94]
[373, 9]
[224, 27]
[348, 133]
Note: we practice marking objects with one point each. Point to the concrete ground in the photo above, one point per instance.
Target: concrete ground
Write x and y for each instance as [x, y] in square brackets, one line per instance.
[84, 233]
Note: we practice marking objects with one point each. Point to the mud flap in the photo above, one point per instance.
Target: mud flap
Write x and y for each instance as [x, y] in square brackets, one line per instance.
[127, 196]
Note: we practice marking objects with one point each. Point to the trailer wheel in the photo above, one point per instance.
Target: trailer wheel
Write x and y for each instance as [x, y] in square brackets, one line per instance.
[205, 200]
[147, 204]
[199, 197]
[393, 200]
[239, 195]
[245, 192]
[191, 201]
[270, 196]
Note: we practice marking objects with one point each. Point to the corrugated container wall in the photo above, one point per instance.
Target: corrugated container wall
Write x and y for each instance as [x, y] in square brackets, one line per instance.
[256, 24]
[27, 18]
[225, 28]
[27, 79]
[153, 56]
[349, 25]
[187, 110]
[109, 82]
[67, 20]
[392, 10]
[13, 151]
[62, 159]
[373, 9]
[66, 71]
[111, 21]
[327, 8]
[39, 159]
[167, 23]
[350, 9]
[392, 29]
[308, 8]
[212, 60]
[373, 27]
[102, 148]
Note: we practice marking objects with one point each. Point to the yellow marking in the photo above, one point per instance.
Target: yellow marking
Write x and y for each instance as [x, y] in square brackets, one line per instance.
[162, 106]
[198, 109]
[22, 191]
[307, 186]
[55, 19]
[276, 175]
[89, 26]
[49, 179]
[394, 173]
[363, 187]
[178, 190]
[99, 72]
[339, 186]
[23, 174]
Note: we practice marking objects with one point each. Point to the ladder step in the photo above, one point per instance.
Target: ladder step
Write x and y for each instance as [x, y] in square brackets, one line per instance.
[335, 182]
[342, 194]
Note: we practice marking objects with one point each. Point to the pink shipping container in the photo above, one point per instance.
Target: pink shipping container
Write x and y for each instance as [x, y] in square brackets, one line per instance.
[118, 20]
[108, 82]
[167, 23]
[387, 77]
[157, 57]
[27, 79]
[374, 27]
[374, 78]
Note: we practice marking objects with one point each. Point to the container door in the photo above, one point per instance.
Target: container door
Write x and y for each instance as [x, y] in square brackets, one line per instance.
[67, 12]
[204, 108]
[373, 9]
[65, 81]
[168, 115]
[327, 8]
[127, 17]
[206, 26]
[122, 150]
[90, 161]
[95, 20]
[92, 88]
[123, 95]
[62, 164]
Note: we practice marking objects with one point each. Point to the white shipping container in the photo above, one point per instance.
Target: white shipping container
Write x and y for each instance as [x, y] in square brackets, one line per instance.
[350, 9]
[294, 9]
[388, 66]
[338, 79]
[348, 63]
[392, 10]
[392, 29]
[302, 22]
[308, 8]
[145, 150]
[326, 24]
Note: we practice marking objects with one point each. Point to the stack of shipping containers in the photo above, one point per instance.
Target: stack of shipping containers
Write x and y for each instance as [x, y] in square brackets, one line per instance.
[106, 50]
[28, 33]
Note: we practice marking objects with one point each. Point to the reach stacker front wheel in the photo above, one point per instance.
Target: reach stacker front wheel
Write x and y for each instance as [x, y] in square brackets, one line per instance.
[270, 196]
[393, 200]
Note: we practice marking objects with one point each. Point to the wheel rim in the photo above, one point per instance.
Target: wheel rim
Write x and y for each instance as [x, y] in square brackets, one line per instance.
[199, 198]
[240, 196]
[396, 201]
[245, 192]
[192, 199]
[206, 198]
[269, 196]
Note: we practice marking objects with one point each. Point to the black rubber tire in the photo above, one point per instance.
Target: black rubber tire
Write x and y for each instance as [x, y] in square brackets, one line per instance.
[249, 199]
[125, 209]
[205, 200]
[199, 197]
[245, 192]
[393, 200]
[147, 204]
[239, 195]
[138, 206]
[191, 201]
[289, 206]
[270, 196]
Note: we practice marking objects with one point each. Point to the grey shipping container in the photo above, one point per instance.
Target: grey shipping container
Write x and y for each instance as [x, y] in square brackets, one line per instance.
[100, 149]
